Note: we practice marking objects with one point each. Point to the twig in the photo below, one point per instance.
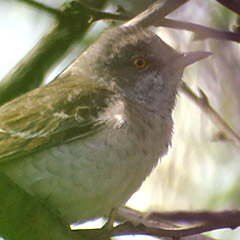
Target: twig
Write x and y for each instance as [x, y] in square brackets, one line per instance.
[188, 217]
[202, 32]
[155, 13]
[188, 223]
[141, 223]
[76, 9]
[42, 7]
[203, 103]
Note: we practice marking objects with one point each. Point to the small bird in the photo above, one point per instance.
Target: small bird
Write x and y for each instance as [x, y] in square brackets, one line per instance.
[85, 142]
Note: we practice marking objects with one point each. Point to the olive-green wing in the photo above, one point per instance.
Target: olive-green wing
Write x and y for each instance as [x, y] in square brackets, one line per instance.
[59, 112]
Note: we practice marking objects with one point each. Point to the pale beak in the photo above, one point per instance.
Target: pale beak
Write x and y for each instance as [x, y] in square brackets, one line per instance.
[189, 58]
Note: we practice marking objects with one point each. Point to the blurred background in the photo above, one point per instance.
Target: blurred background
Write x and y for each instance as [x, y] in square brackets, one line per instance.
[197, 173]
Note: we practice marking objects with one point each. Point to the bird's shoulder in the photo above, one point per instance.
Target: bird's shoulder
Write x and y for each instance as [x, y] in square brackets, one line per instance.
[59, 112]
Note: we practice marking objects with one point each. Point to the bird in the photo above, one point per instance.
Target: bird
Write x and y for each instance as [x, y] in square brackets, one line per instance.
[85, 142]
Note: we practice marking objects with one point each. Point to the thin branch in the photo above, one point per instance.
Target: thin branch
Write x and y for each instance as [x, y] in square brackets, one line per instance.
[76, 9]
[202, 32]
[177, 224]
[176, 234]
[199, 217]
[155, 12]
[203, 103]
[42, 7]
[141, 223]
[162, 9]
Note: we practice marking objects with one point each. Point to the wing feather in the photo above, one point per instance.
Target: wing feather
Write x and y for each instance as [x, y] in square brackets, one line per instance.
[66, 109]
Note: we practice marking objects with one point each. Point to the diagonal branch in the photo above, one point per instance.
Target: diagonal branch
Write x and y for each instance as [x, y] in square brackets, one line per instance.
[202, 32]
[77, 8]
[42, 7]
[30, 71]
[203, 103]
[155, 13]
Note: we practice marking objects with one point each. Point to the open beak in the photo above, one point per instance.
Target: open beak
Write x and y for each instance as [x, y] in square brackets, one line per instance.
[189, 58]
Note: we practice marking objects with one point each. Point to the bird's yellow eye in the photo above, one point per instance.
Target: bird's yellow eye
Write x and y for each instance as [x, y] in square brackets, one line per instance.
[139, 62]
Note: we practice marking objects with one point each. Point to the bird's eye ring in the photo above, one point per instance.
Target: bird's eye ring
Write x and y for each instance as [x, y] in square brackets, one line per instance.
[139, 63]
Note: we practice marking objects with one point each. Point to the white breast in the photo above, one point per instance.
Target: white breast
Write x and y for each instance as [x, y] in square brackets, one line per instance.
[86, 178]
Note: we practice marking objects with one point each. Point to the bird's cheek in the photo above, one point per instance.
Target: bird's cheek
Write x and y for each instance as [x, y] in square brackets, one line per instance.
[154, 84]
[159, 82]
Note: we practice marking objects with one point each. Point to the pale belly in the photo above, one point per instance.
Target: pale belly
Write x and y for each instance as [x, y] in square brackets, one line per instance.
[85, 179]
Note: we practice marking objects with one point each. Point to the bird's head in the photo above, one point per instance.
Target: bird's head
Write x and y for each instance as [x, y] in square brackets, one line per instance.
[142, 67]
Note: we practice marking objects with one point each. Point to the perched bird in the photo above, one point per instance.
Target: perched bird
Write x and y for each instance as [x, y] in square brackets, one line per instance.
[84, 143]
